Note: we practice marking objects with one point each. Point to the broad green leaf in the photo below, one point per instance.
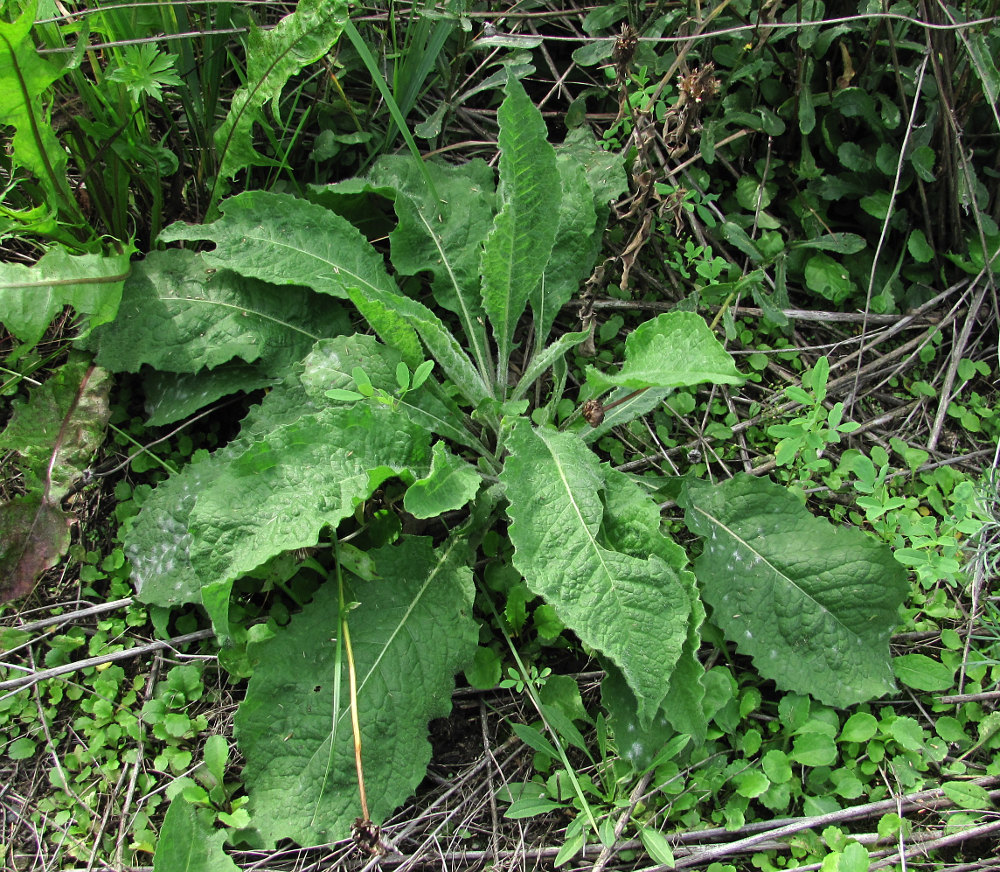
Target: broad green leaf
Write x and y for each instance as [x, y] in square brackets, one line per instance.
[632, 610]
[330, 366]
[179, 314]
[273, 57]
[390, 326]
[280, 492]
[411, 632]
[813, 604]
[189, 841]
[859, 727]
[287, 241]
[520, 242]
[449, 485]
[656, 846]
[158, 544]
[25, 78]
[828, 278]
[31, 296]
[440, 342]
[668, 351]
[922, 673]
[444, 237]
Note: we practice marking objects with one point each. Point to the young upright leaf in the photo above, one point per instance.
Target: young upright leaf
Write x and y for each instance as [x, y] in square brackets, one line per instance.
[31, 296]
[440, 341]
[813, 604]
[576, 245]
[631, 609]
[411, 632]
[273, 57]
[668, 351]
[519, 245]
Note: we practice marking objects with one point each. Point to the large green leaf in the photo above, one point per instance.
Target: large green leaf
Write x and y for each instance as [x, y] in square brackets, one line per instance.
[411, 632]
[180, 314]
[280, 492]
[31, 296]
[632, 524]
[449, 485]
[287, 241]
[273, 57]
[519, 245]
[813, 604]
[669, 351]
[189, 841]
[299, 459]
[631, 609]
[444, 237]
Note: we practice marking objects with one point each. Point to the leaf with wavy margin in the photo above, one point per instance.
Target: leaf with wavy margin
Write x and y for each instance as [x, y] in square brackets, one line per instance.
[631, 609]
[300, 759]
[813, 604]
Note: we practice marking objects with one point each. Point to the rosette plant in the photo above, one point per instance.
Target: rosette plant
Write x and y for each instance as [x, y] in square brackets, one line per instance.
[425, 380]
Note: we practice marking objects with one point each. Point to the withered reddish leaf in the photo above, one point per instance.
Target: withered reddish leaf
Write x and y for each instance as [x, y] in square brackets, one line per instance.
[34, 534]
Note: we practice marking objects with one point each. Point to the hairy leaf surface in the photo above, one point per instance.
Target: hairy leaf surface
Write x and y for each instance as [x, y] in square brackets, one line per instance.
[280, 492]
[519, 245]
[287, 241]
[811, 603]
[669, 351]
[631, 609]
[632, 524]
[440, 342]
[575, 247]
[331, 363]
[306, 788]
[180, 314]
[449, 485]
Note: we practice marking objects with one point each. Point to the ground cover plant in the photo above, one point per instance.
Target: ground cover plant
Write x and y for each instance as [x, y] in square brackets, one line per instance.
[435, 476]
